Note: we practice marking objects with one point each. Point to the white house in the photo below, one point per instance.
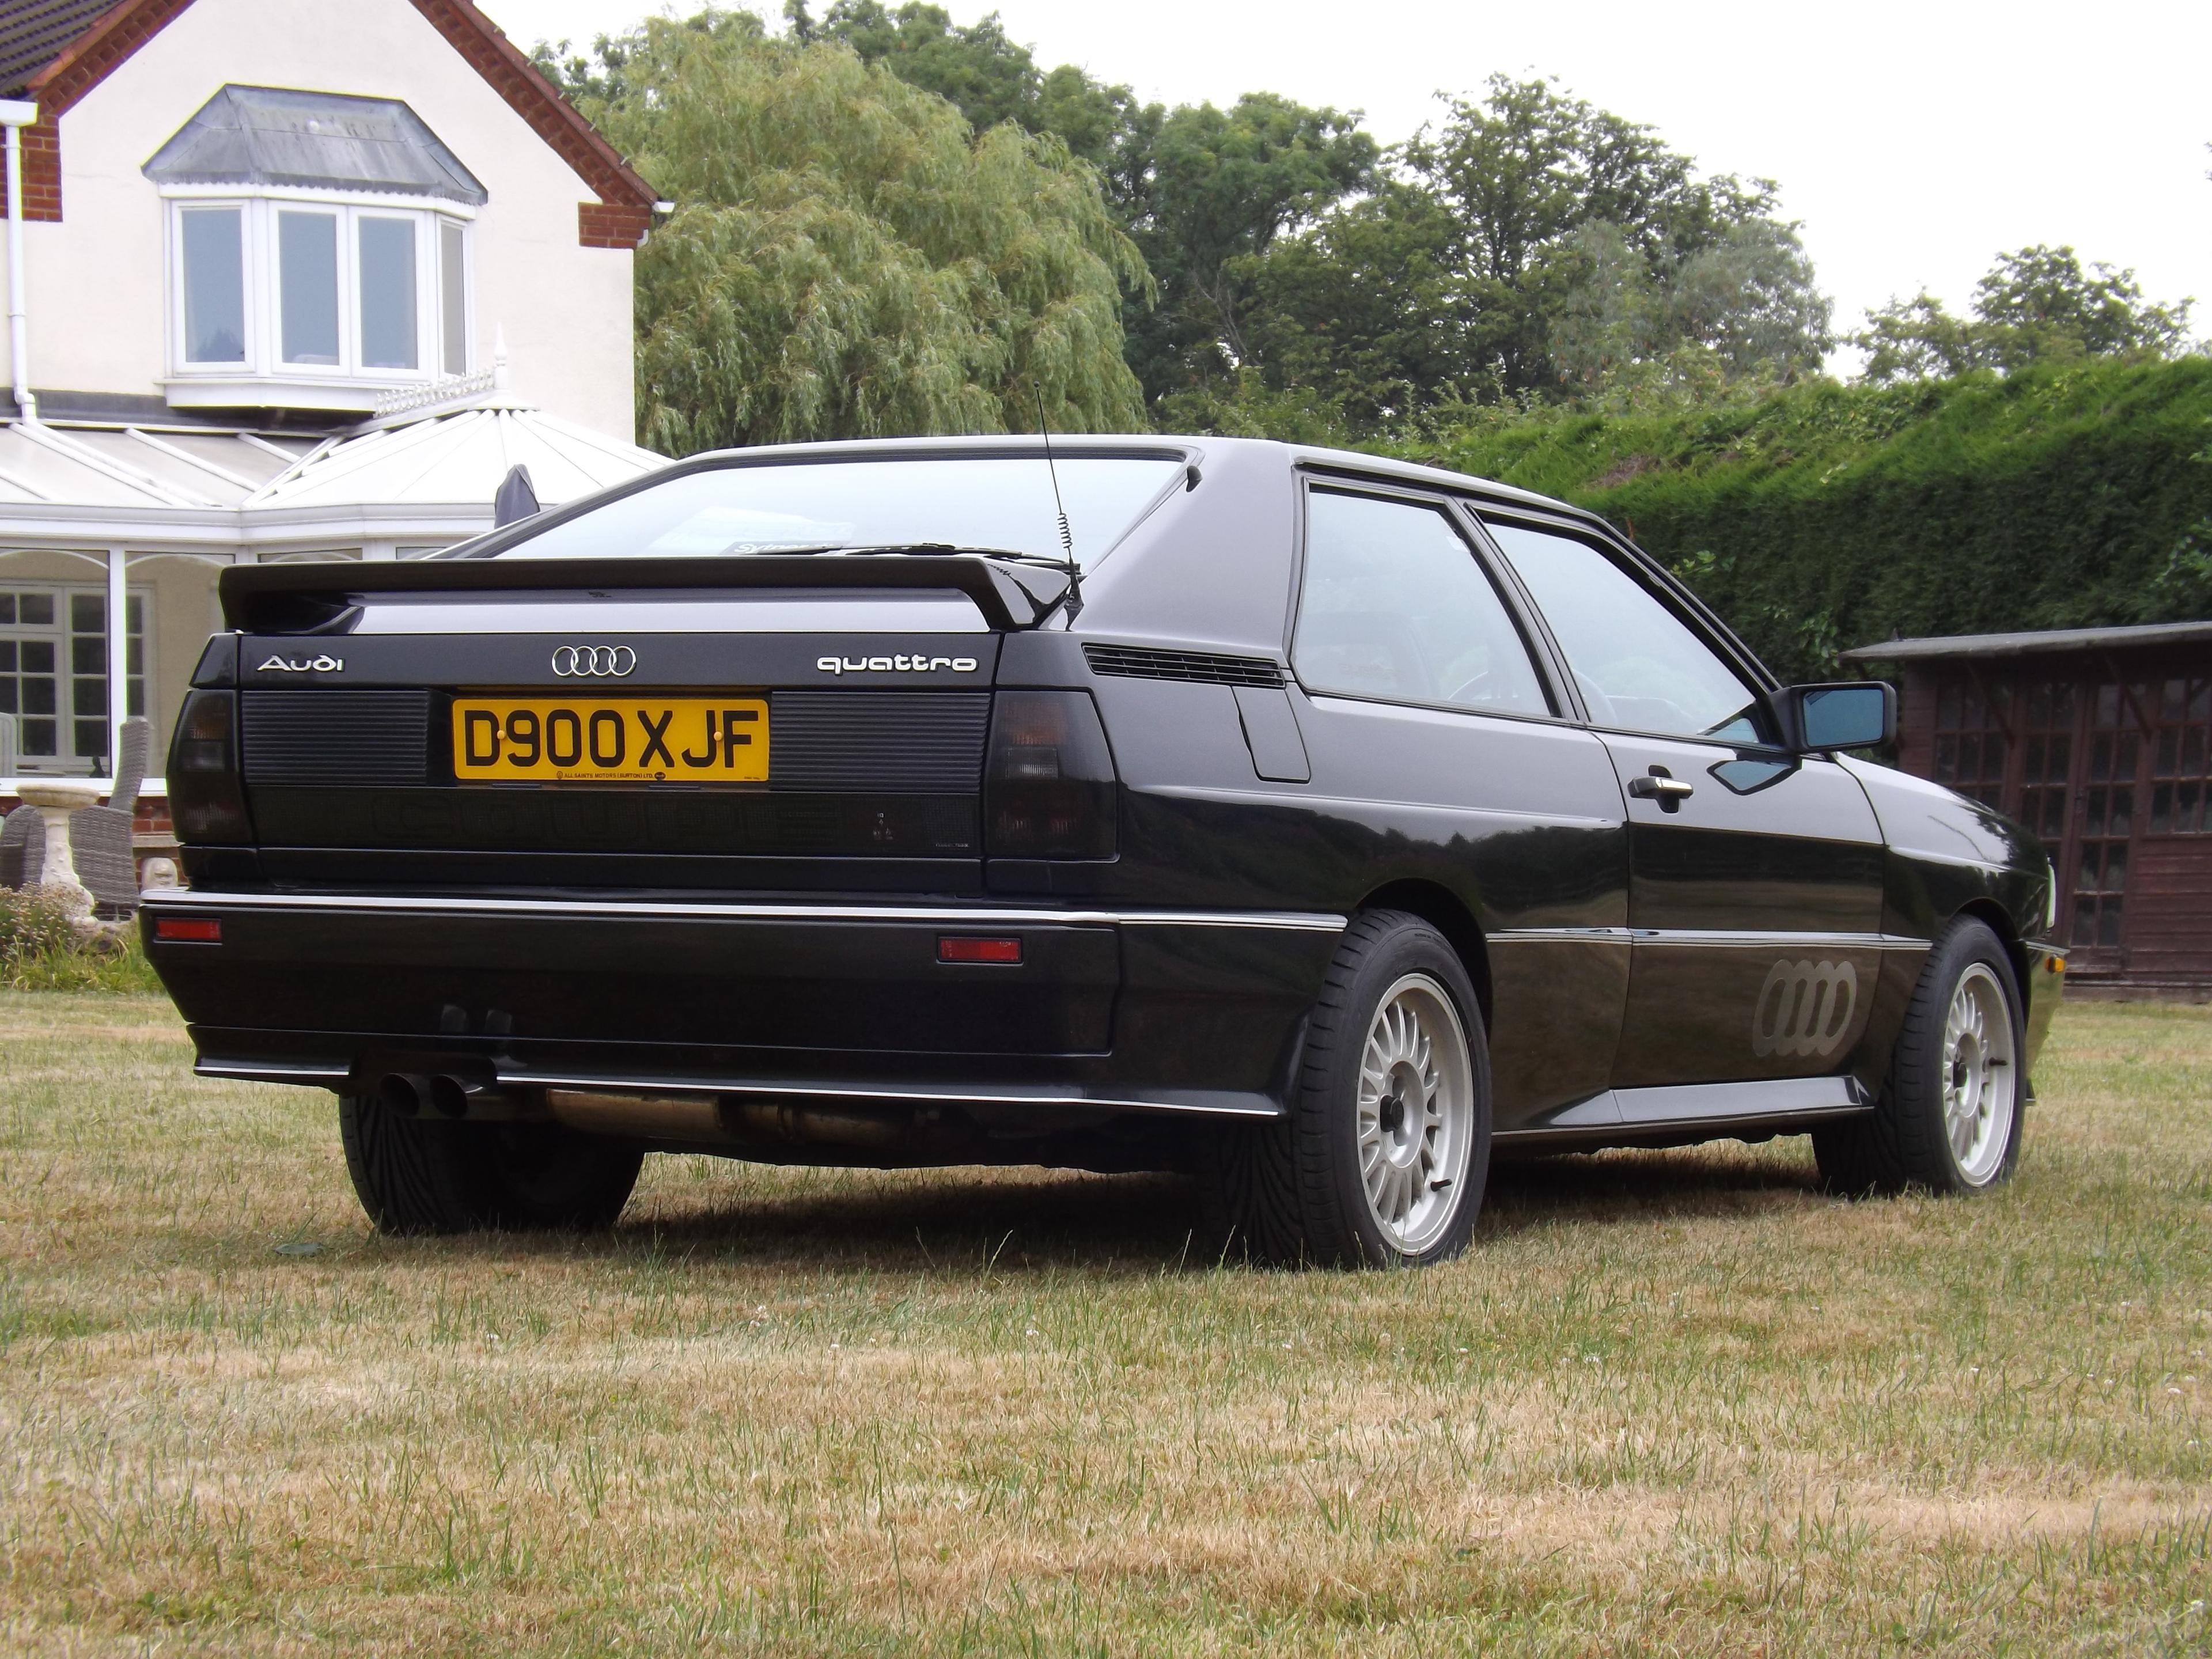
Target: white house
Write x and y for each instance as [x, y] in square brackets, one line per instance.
[289, 279]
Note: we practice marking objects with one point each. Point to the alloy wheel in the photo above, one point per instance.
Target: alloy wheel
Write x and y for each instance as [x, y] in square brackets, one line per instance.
[1415, 1113]
[1980, 1079]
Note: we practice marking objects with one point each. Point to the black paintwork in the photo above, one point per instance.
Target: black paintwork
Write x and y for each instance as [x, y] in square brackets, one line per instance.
[1618, 942]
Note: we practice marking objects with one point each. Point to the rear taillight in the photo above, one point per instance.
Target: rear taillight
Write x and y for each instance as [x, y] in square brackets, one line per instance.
[207, 797]
[188, 930]
[1049, 792]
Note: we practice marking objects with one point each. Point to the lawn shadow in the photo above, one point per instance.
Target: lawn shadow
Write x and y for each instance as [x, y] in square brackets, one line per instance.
[1018, 1222]
[1032, 1220]
[1717, 1178]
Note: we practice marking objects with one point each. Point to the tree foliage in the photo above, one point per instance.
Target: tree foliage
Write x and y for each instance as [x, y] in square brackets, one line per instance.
[978, 68]
[1533, 246]
[2037, 306]
[891, 220]
[847, 256]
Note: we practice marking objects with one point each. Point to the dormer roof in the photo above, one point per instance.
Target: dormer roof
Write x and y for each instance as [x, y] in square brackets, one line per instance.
[271, 136]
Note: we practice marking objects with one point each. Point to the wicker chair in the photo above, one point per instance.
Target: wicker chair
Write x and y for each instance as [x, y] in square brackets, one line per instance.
[99, 837]
[12, 834]
[22, 848]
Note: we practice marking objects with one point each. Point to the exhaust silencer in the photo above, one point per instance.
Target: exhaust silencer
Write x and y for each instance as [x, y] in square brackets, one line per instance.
[655, 1116]
[738, 1123]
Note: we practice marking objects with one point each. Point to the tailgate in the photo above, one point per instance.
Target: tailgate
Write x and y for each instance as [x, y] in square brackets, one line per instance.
[449, 723]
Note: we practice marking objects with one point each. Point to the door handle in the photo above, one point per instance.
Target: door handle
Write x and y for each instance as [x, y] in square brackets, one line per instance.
[1669, 792]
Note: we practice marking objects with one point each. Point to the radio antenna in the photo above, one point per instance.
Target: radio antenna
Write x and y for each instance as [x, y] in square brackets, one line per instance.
[1066, 536]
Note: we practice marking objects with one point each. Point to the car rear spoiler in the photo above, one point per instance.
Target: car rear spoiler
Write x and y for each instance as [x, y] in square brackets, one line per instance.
[324, 599]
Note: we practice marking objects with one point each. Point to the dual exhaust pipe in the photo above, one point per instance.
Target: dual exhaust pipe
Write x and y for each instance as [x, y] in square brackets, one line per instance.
[420, 1094]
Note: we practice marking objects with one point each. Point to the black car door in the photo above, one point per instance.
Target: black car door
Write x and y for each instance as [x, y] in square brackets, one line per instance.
[1755, 875]
[1442, 753]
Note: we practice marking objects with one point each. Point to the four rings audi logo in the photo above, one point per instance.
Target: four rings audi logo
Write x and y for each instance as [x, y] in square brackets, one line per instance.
[1804, 1008]
[594, 661]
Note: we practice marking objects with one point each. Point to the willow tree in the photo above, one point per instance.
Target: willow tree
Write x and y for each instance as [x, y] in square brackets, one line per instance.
[849, 259]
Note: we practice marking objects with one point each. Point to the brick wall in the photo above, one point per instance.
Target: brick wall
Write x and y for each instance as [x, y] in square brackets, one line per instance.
[600, 224]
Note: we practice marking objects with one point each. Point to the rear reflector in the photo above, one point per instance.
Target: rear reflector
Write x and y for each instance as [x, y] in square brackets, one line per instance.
[979, 950]
[188, 930]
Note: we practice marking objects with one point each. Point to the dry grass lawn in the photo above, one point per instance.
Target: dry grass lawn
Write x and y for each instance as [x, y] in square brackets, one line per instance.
[1671, 1402]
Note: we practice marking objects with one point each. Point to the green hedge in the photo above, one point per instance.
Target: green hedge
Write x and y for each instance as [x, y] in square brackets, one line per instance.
[1830, 516]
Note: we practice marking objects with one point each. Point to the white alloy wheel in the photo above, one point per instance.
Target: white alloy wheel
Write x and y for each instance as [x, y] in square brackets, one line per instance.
[1415, 1113]
[1980, 1079]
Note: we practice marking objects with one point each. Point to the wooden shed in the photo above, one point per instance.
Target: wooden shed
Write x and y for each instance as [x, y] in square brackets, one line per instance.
[2099, 740]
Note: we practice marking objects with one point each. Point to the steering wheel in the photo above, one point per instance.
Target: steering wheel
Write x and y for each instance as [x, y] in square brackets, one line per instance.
[1476, 690]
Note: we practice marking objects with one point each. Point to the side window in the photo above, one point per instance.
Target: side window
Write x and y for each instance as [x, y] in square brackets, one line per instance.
[1638, 665]
[1395, 606]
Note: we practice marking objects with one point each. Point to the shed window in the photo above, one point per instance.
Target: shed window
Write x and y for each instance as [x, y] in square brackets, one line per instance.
[1970, 739]
[2181, 787]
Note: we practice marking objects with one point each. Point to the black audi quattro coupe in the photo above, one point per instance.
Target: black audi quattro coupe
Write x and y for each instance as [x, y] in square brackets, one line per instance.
[1313, 823]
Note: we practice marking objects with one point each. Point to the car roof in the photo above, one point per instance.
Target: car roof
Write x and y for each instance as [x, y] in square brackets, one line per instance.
[1197, 448]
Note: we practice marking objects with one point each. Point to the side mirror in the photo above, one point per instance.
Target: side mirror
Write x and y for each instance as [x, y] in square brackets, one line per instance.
[1823, 719]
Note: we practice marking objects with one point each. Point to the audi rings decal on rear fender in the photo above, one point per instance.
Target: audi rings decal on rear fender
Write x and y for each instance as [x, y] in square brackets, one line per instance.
[593, 661]
[1804, 1008]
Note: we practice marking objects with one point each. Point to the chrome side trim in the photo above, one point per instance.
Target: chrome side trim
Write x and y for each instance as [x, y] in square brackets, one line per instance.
[1204, 1102]
[191, 899]
[1700, 937]
[1689, 938]
[1286, 797]
[1560, 936]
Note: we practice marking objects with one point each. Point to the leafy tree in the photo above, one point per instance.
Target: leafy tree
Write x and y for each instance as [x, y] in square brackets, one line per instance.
[991, 77]
[848, 258]
[1214, 189]
[1366, 310]
[2035, 305]
[1532, 246]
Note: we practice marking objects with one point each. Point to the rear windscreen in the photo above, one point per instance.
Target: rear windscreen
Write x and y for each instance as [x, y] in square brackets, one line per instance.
[997, 503]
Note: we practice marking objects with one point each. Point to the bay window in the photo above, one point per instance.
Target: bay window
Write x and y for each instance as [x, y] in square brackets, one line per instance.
[326, 304]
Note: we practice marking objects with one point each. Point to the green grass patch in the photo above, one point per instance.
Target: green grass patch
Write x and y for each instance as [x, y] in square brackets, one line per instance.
[1671, 1402]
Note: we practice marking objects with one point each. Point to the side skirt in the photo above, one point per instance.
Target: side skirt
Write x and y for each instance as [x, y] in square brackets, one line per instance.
[1680, 1114]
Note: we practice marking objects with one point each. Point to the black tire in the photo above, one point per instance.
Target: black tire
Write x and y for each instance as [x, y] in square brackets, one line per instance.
[1904, 1141]
[1291, 1192]
[425, 1176]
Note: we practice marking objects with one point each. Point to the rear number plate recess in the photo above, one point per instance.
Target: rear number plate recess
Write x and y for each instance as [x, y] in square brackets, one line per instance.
[636, 739]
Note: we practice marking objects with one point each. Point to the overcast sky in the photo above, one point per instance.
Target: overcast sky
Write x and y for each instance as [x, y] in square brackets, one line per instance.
[1913, 140]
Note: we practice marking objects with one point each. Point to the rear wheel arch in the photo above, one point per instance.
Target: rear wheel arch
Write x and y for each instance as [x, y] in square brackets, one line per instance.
[1443, 910]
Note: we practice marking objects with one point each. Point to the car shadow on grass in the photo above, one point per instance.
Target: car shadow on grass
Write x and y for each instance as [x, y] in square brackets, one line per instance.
[1145, 1224]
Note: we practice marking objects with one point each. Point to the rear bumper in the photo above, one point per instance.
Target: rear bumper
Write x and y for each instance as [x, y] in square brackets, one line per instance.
[1108, 1010]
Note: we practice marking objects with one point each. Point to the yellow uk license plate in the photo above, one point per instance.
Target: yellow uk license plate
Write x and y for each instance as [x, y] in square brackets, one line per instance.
[648, 740]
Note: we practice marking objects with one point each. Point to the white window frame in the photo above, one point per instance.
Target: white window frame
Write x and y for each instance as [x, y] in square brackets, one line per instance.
[116, 655]
[264, 378]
